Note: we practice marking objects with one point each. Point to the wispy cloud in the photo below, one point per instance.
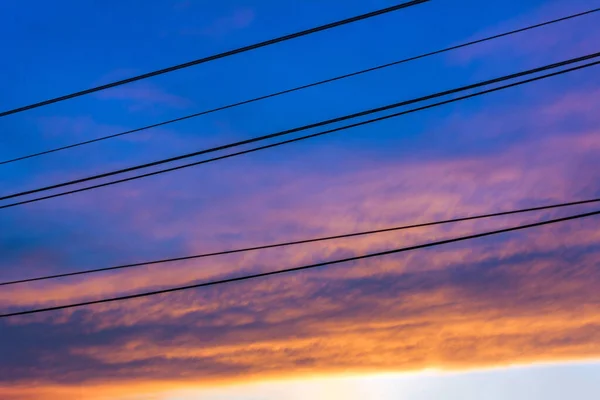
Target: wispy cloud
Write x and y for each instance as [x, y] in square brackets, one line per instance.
[141, 96]
[239, 19]
[570, 38]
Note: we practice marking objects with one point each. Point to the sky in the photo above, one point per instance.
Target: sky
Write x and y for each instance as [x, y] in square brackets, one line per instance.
[513, 316]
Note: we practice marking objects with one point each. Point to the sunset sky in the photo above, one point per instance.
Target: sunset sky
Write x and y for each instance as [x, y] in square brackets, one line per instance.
[515, 316]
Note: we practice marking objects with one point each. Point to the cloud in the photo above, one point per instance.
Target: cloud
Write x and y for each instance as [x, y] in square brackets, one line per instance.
[463, 315]
[239, 19]
[144, 95]
[529, 297]
[569, 38]
[519, 298]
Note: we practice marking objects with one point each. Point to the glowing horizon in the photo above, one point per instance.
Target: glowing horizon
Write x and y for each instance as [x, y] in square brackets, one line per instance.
[324, 387]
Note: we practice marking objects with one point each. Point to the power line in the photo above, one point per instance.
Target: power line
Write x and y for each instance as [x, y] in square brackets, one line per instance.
[302, 268]
[299, 138]
[217, 56]
[305, 127]
[304, 241]
[287, 91]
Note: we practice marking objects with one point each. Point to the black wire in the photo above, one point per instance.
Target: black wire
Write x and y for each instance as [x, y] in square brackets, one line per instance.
[304, 241]
[217, 56]
[300, 138]
[287, 91]
[305, 127]
[302, 268]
